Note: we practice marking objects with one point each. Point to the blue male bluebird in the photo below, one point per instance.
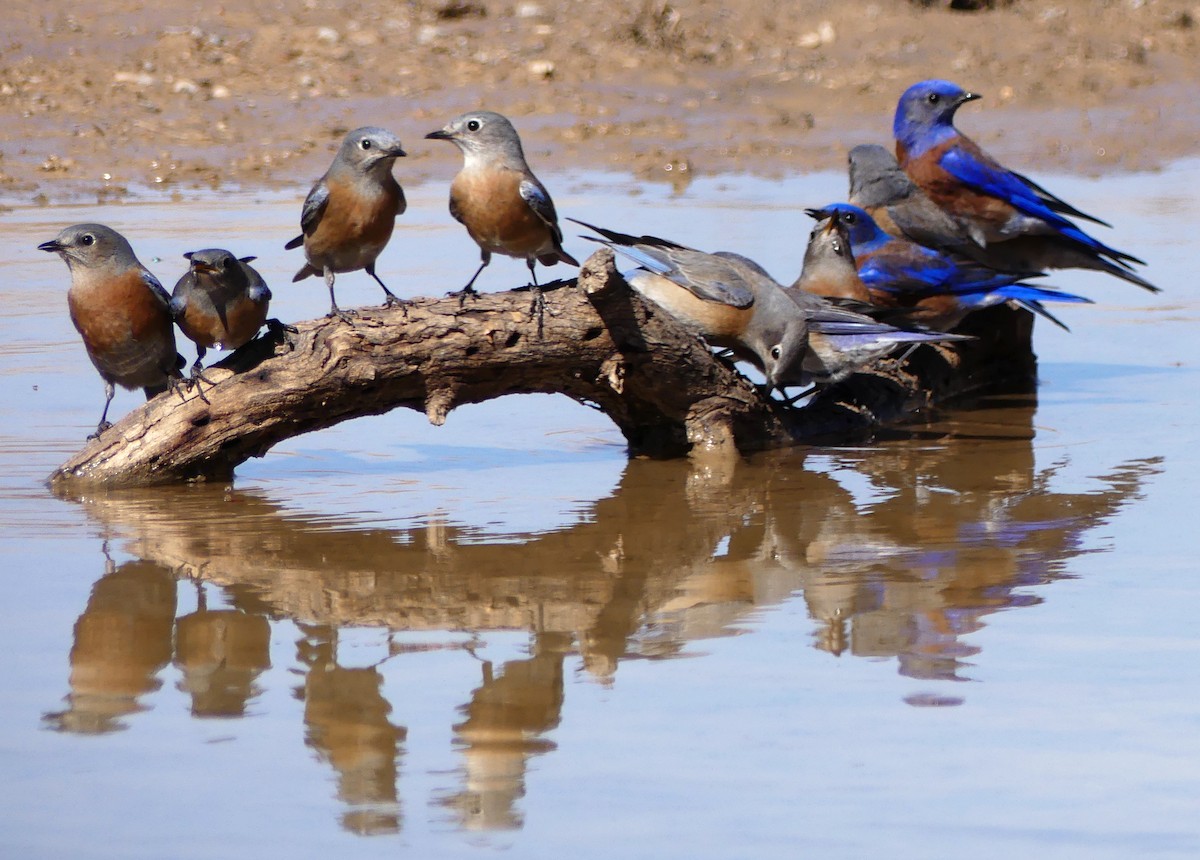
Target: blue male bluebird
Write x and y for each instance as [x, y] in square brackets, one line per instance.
[794, 339]
[221, 301]
[504, 207]
[937, 288]
[351, 211]
[120, 310]
[991, 203]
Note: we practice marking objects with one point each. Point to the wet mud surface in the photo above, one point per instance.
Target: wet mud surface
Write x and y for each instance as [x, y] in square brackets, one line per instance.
[122, 97]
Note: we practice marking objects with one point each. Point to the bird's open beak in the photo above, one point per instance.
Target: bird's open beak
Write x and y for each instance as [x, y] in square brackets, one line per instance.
[833, 222]
[440, 134]
[198, 266]
[51, 246]
[817, 214]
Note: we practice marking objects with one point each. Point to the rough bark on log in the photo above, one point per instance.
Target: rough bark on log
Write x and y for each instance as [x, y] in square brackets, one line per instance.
[594, 340]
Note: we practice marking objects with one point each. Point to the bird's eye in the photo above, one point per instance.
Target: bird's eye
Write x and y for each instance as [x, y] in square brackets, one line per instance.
[474, 125]
[87, 239]
[366, 144]
[933, 98]
[849, 217]
[776, 351]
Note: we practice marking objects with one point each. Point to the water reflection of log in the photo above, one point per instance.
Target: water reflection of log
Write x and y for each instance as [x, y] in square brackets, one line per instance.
[961, 527]
[598, 343]
[949, 532]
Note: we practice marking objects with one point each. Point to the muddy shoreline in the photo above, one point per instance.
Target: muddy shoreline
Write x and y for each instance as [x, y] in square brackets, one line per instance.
[123, 99]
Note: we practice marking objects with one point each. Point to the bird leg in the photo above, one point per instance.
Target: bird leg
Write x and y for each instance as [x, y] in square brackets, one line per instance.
[197, 374]
[391, 300]
[469, 289]
[109, 391]
[278, 327]
[334, 310]
[791, 401]
[539, 301]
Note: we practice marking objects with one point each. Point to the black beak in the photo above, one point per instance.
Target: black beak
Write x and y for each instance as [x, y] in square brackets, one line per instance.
[818, 214]
[397, 152]
[440, 134]
[968, 97]
[51, 246]
[247, 259]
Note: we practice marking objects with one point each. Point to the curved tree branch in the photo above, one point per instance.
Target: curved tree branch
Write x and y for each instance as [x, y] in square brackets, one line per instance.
[592, 339]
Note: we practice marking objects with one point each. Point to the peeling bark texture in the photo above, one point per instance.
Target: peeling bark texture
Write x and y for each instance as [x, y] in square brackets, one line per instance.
[594, 340]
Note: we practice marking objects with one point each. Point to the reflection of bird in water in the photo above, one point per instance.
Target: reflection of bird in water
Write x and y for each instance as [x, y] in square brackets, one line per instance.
[347, 720]
[121, 642]
[505, 719]
[220, 654]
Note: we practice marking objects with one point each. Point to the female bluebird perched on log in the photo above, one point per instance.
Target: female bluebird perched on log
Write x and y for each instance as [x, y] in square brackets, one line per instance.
[504, 207]
[350, 213]
[220, 302]
[121, 311]
[793, 338]
[993, 204]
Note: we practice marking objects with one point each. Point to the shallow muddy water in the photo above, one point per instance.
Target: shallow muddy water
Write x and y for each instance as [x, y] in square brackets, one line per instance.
[976, 637]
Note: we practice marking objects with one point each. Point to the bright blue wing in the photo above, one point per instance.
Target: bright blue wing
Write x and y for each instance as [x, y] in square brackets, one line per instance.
[991, 179]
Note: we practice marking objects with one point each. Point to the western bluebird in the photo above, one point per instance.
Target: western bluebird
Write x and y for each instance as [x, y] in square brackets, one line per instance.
[504, 207]
[829, 270]
[121, 311]
[880, 186]
[991, 203]
[938, 289]
[221, 301]
[794, 339]
[350, 213]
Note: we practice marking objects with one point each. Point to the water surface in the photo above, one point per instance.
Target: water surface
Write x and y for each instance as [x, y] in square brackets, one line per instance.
[974, 637]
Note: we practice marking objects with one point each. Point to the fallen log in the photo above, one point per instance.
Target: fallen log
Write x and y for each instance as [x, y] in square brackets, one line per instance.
[592, 339]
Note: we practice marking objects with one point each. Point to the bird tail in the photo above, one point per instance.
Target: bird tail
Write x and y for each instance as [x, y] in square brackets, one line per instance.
[882, 332]
[559, 256]
[1123, 272]
[1029, 293]
[1040, 309]
[306, 272]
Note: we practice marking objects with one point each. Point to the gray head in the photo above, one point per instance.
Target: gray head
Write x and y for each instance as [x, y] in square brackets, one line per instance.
[219, 266]
[876, 179]
[92, 246]
[828, 255]
[369, 148]
[483, 135]
[778, 330]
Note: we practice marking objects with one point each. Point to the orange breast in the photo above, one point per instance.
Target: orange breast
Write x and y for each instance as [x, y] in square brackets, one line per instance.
[126, 329]
[354, 228]
[245, 318]
[720, 324]
[988, 212]
[490, 206]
